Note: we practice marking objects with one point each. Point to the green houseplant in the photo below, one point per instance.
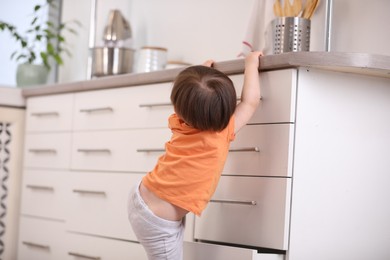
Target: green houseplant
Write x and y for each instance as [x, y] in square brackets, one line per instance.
[41, 46]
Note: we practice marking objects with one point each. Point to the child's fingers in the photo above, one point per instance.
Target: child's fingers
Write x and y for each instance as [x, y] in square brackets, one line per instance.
[208, 63]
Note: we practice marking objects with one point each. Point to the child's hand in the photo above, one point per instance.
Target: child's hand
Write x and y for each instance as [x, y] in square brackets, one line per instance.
[252, 59]
[208, 63]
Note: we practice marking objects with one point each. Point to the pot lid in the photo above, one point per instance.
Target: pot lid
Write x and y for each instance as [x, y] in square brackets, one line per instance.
[117, 28]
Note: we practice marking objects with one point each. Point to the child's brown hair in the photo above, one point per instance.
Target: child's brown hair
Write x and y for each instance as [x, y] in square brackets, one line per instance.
[204, 98]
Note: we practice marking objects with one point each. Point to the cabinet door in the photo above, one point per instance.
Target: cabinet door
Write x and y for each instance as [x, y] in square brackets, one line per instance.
[252, 211]
[278, 94]
[203, 251]
[97, 204]
[261, 150]
[131, 150]
[44, 193]
[123, 108]
[49, 113]
[47, 150]
[90, 247]
[41, 239]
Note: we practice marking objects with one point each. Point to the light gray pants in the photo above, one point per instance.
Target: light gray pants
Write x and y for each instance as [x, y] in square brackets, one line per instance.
[162, 239]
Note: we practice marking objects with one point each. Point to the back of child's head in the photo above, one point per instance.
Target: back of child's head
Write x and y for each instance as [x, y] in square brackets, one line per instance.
[204, 98]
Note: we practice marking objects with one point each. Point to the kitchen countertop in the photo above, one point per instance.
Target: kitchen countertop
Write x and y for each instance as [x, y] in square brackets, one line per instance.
[11, 97]
[359, 63]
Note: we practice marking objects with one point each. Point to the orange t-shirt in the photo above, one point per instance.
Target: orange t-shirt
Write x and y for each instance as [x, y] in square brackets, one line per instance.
[188, 173]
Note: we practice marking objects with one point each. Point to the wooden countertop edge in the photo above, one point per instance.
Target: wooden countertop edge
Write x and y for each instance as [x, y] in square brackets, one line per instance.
[358, 63]
[11, 97]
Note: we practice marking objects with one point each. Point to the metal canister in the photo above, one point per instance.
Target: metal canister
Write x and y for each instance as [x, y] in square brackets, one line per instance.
[112, 61]
[290, 34]
[151, 59]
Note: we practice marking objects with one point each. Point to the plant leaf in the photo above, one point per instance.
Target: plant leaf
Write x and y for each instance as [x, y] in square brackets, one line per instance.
[45, 60]
[58, 59]
[20, 57]
[34, 20]
[50, 48]
[37, 7]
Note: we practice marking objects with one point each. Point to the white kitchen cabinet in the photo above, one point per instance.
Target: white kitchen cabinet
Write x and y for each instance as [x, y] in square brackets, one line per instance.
[47, 150]
[49, 113]
[134, 150]
[262, 150]
[250, 211]
[81, 246]
[341, 175]
[97, 203]
[44, 193]
[41, 239]
[45, 177]
[135, 107]
[203, 251]
[278, 96]
[12, 119]
[316, 187]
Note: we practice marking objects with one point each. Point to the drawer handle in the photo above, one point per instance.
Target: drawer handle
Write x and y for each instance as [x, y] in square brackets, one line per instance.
[155, 105]
[96, 109]
[151, 150]
[92, 192]
[46, 247]
[242, 202]
[245, 149]
[239, 98]
[84, 256]
[38, 187]
[42, 150]
[241, 149]
[94, 151]
[39, 114]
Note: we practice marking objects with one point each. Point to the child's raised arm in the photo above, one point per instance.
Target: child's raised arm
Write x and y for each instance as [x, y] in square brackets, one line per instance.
[250, 96]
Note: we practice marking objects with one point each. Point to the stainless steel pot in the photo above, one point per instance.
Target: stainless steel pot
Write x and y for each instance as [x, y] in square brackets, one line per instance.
[112, 61]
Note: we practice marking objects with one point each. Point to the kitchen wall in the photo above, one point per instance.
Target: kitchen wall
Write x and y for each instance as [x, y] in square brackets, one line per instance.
[197, 30]
[192, 31]
[361, 26]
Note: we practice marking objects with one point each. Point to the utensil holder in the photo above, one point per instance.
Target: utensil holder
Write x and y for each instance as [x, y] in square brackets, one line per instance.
[290, 34]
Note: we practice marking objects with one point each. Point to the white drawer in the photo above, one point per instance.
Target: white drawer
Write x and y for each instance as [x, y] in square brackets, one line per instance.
[278, 93]
[48, 150]
[41, 239]
[118, 150]
[122, 108]
[203, 251]
[97, 204]
[262, 150]
[43, 193]
[49, 113]
[89, 247]
[231, 216]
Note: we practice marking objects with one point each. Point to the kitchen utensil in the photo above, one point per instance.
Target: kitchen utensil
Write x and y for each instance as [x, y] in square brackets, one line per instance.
[288, 10]
[314, 8]
[297, 7]
[278, 9]
[290, 34]
[309, 9]
[117, 27]
[112, 61]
